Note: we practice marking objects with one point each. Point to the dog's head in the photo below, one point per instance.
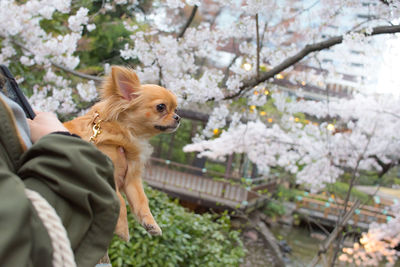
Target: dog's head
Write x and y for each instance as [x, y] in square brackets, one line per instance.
[147, 109]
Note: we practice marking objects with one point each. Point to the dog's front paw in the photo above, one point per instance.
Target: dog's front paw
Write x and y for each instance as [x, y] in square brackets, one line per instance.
[122, 230]
[123, 234]
[152, 229]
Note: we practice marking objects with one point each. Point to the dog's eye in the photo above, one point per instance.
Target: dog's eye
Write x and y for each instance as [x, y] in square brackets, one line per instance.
[161, 107]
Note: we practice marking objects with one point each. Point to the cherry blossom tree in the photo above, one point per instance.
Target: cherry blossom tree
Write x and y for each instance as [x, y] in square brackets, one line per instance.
[230, 56]
[376, 245]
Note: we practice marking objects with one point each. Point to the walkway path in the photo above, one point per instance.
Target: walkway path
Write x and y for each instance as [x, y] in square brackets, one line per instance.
[385, 193]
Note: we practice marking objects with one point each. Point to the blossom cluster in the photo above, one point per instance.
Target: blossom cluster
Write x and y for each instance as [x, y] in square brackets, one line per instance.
[316, 154]
[377, 245]
[213, 59]
[22, 22]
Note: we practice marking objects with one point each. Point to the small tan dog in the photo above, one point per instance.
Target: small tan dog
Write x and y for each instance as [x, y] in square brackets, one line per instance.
[127, 116]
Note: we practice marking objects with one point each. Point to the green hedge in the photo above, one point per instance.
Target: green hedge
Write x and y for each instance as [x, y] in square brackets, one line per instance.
[188, 239]
[340, 190]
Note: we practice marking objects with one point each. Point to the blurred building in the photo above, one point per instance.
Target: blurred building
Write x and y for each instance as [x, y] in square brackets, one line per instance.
[352, 67]
[336, 72]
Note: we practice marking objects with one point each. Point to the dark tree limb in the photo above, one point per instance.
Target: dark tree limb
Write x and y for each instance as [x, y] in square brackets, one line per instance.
[347, 199]
[250, 83]
[188, 22]
[193, 115]
[290, 61]
[386, 2]
[77, 73]
[227, 70]
[385, 166]
[258, 48]
[332, 237]
[263, 34]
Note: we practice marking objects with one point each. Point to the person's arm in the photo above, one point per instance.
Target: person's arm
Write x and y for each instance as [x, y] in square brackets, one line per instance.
[22, 235]
[77, 180]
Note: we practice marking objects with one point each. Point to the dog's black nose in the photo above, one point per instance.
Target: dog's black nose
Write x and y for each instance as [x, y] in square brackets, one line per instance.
[177, 118]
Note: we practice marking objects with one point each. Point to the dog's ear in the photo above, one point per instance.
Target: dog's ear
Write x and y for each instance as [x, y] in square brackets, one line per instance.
[123, 82]
[126, 81]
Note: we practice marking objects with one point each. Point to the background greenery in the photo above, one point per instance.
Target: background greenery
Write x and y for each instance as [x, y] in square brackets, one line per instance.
[188, 239]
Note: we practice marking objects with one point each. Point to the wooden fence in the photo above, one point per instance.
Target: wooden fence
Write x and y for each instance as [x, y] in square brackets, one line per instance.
[328, 209]
[202, 186]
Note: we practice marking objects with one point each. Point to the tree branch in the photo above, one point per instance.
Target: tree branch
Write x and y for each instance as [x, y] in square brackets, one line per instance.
[258, 48]
[250, 83]
[386, 2]
[347, 199]
[193, 115]
[332, 237]
[77, 73]
[227, 70]
[188, 22]
[385, 166]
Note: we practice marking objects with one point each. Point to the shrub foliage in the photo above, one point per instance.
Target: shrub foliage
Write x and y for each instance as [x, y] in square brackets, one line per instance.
[188, 239]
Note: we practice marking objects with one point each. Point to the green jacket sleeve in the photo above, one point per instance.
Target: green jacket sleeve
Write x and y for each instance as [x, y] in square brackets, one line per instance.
[77, 180]
[19, 224]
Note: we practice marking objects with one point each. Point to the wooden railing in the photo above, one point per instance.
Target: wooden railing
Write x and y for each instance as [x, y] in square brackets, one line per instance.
[325, 207]
[191, 169]
[200, 183]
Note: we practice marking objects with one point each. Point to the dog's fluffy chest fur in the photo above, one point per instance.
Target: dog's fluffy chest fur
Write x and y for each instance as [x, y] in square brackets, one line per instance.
[145, 149]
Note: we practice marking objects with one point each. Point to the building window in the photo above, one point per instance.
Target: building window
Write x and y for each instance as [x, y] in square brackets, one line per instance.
[327, 60]
[356, 52]
[359, 65]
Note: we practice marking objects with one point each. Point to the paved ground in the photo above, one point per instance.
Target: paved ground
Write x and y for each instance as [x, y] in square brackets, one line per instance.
[383, 192]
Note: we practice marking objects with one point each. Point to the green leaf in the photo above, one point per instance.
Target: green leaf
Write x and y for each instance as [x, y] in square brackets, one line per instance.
[188, 239]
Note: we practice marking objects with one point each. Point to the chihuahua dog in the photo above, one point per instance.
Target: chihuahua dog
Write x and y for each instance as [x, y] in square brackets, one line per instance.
[127, 116]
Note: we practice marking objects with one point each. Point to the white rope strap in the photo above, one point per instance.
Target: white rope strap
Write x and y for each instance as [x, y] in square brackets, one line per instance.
[62, 252]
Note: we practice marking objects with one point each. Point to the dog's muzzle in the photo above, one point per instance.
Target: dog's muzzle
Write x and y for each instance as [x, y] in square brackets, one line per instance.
[168, 128]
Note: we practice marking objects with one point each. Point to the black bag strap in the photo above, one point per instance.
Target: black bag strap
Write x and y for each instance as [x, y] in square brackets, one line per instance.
[11, 89]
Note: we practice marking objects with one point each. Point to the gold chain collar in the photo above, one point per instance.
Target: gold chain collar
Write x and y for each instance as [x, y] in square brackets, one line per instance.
[96, 128]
